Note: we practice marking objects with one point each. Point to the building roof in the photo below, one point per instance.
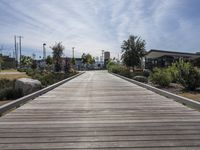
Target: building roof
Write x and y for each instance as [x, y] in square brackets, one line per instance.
[159, 53]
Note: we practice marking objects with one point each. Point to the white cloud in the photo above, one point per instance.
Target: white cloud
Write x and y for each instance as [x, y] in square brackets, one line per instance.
[93, 25]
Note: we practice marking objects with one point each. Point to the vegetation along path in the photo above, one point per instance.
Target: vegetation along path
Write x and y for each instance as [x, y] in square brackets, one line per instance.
[98, 110]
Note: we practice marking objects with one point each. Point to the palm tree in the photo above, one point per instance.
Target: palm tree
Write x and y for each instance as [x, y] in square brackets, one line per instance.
[132, 51]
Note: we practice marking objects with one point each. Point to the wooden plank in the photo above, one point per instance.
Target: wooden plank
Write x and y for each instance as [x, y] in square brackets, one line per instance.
[100, 111]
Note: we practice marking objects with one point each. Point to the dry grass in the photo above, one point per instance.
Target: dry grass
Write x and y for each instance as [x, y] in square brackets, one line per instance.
[9, 70]
[3, 102]
[13, 76]
[191, 95]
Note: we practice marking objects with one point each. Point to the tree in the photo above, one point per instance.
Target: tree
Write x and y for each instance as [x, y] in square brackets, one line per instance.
[57, 55]
[34, 64]
[67, 67]
[49, 60]
[132, 51]
[73, 61]
[26, 61]
[87, 59]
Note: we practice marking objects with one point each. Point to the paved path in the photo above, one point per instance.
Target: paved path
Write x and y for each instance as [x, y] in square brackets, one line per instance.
[100, 111]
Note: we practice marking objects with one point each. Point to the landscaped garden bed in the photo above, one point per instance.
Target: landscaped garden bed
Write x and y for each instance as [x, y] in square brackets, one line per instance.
[182, 78]
[7, 85]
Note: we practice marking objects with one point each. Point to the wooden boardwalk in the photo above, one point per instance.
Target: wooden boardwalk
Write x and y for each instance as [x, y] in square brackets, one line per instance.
[100, 111]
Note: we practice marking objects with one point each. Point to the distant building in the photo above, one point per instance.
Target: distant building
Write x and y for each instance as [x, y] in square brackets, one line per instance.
[161, 58]
[106, 56]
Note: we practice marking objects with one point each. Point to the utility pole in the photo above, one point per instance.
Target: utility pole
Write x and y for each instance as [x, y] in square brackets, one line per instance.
[16, 51]
[15, 40]
[20, 48]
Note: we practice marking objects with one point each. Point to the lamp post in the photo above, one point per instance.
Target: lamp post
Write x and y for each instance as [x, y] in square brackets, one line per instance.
[44, 55]
[44, 51]
[73, 59]
[102, 58]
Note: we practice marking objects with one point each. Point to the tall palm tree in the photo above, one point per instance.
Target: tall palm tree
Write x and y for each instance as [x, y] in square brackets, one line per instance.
[133, 50]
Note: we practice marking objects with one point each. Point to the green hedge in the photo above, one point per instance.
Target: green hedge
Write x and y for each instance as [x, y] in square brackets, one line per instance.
[119, 69]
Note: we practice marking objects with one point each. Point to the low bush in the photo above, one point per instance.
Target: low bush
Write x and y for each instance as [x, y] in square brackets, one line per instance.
[6, 83]
[48, 78]
[7, 90]
[10, 93]
[119, 69]
[141, 79]
[146, 73]
[174, 72]
[136, 73]
[188, 76]
[161, 77]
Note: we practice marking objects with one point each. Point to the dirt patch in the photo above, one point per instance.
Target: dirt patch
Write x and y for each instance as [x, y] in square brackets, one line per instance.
[179, 90]
[3, 102]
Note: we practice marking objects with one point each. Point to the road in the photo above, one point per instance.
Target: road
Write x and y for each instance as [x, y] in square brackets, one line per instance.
[98, 110]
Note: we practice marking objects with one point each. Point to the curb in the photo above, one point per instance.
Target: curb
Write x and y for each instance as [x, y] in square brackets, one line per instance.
[185, 101]
[19, 102]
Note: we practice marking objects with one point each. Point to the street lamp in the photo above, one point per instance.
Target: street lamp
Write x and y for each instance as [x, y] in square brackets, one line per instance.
[73, 59]
[44, 51]
[44, 54]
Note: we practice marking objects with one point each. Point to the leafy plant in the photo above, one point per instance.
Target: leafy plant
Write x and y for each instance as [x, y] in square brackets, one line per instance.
[174, 72]
[141, 79]
[188, 76]
[162, 77]
[8, 91]
[57, 54]
[119, 69]
[133, 50]
[26, 61]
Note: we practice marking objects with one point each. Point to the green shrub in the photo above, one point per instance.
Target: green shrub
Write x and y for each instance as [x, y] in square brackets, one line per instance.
[141, 79]
[7, 90]
[188, 76]
[162, 77]
[109, 64]
[191, 79]
[174, 72]
[21, 70]
[6, 83]
[146, 73]
[119, 69]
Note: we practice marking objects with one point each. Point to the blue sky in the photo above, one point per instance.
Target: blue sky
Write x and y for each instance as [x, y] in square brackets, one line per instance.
[93, 25]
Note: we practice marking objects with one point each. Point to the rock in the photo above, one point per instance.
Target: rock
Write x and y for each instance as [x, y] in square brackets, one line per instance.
[27, 86]
[141, 79]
